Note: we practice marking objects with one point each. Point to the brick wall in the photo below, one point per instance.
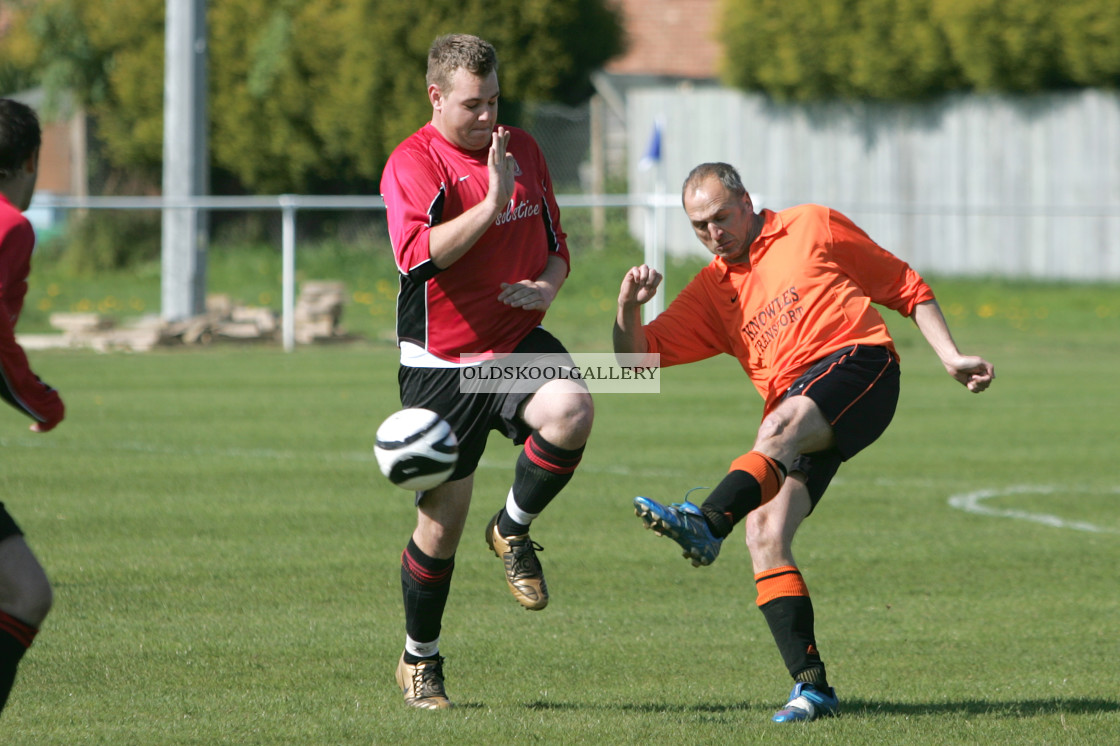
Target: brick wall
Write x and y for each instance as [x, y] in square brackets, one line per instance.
[668, 37]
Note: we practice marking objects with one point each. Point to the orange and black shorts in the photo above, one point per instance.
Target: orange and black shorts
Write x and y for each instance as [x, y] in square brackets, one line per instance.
[857, 391]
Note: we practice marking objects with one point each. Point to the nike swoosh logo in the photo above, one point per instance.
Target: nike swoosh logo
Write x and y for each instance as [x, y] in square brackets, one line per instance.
[464, 178]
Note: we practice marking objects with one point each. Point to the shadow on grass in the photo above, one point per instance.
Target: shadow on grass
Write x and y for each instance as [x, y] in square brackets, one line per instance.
[643, 708]
[867, 708]
[1012, 709]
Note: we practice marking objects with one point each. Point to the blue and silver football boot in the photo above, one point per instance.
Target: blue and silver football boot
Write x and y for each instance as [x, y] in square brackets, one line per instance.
[806, 703]
[684, 524]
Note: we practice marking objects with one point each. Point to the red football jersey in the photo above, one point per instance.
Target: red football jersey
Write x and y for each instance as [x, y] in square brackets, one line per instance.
[19, 386]
[455, 311]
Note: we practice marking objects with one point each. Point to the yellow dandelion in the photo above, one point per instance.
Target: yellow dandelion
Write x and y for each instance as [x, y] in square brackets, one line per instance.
[385, 288]
[264, 298]
[136, 304]
[53, 290]
[45, 304]
[986, 311]
[83, 305]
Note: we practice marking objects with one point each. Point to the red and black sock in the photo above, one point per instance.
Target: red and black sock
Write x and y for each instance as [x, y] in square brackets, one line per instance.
[542, 470]
[15, 639]
[753, 480]
[425, 582]
[784, 601]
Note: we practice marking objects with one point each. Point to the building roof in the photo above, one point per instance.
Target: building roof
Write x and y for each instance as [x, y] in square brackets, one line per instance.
[668, 38]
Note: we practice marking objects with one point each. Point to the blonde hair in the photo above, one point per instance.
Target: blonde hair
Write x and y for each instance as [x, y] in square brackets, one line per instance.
[453, 51]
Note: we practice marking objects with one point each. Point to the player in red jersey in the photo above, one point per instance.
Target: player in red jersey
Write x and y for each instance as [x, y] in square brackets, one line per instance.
[789, 294]
[25, 592]
[476, 234]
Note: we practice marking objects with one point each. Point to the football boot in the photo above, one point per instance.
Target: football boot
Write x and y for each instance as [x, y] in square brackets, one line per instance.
[523, 570]
[422, 684]
[684, 524]
[806, 702]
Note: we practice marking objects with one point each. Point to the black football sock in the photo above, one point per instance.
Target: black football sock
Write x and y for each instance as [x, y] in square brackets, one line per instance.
[753, 480]
[542, 470]
[15, 639]
[425, 583]
[784, 601]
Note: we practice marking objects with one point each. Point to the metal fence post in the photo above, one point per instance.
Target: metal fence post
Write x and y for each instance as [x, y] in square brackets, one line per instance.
[288, 272]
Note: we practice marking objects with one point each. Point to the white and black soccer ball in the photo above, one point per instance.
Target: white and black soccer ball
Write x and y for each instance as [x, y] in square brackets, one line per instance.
[416, 449]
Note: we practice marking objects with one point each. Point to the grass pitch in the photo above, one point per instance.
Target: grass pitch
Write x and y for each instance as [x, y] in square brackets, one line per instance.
[226, 555]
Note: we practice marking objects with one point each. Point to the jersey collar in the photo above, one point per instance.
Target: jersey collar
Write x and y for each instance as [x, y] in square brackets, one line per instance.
[771, 226]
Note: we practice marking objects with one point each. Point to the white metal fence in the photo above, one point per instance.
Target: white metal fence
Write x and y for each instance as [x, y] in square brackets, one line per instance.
[1011, 186]
[969, 185]
[289, 206]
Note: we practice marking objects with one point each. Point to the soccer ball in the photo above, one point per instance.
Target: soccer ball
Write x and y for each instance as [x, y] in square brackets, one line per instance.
[416, 449]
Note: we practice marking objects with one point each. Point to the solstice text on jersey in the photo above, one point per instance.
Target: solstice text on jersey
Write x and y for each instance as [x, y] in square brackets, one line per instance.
[523, 209]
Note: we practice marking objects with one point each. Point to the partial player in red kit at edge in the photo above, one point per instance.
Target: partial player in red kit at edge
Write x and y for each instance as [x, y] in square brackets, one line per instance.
[25, 592]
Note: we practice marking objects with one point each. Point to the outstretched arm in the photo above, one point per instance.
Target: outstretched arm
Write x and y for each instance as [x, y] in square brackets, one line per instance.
[975, 373]
[639, 285]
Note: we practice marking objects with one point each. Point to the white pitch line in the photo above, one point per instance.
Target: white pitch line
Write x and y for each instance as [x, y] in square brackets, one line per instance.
[973, 502]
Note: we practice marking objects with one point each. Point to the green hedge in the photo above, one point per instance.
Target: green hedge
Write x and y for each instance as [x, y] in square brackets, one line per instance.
[912, 49]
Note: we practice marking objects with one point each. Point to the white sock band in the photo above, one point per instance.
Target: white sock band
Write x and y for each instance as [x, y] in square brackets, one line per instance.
[421, 649]
[516, 513]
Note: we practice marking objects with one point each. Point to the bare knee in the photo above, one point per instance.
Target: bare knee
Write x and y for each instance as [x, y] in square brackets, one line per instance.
[795, 427]
[563, 418]
[773, 426]
[578, 416]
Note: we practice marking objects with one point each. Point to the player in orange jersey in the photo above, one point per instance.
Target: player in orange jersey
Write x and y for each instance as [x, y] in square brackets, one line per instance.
[790, 295]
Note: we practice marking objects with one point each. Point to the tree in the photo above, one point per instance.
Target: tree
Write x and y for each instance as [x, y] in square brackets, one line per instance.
[910, 49]
[304, 94]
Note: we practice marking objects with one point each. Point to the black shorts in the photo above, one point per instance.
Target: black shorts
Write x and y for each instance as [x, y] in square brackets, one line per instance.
[8, 525]
[857, 391]
[473, 415]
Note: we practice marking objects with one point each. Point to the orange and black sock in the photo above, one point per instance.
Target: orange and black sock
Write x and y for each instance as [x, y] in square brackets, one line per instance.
[784, 601]
[753, 480]
[15, 639]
